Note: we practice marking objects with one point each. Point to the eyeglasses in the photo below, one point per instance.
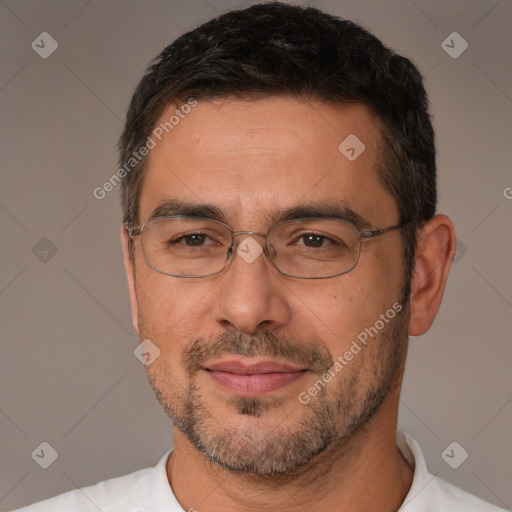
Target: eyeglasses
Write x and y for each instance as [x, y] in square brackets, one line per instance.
[310, 248]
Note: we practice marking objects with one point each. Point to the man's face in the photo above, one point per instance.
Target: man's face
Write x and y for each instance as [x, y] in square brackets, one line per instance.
[239, 348]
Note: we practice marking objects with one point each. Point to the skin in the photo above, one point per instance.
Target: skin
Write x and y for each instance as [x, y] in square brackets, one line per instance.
[249, 158]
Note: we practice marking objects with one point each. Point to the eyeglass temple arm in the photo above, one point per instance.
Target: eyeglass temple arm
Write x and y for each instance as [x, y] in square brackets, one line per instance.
[133, 231]
[378, 232]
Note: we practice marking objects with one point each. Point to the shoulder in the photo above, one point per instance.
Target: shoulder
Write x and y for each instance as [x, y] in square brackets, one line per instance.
[428, 492]
[122, 494]
[445, 496]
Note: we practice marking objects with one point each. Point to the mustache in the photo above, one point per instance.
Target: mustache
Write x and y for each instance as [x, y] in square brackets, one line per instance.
[310, 355]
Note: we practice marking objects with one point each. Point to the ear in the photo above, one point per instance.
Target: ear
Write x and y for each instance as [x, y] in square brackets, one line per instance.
[434, 255]
[129, 267]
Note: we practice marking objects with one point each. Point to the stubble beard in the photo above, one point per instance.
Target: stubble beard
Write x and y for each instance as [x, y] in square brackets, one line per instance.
[255, 440]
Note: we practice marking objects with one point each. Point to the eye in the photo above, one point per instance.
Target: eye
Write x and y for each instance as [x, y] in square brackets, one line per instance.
[194, 240]
[314, 240]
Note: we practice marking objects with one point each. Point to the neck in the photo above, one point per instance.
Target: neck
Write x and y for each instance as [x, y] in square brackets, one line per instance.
[364, 472]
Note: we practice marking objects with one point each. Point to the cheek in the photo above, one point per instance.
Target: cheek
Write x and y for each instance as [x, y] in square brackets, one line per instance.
[332, 312]
[338, 310]
[169, 308]
[381, 274]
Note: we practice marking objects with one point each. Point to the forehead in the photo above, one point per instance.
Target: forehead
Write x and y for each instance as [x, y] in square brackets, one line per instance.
[252, 157]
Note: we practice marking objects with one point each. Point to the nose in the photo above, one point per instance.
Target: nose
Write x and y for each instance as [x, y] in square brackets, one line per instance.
[251, 295]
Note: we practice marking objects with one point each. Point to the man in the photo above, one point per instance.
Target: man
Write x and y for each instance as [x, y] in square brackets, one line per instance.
[281, 243]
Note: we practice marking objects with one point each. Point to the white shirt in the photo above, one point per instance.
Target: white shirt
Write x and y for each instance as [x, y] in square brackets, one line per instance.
[148, 490]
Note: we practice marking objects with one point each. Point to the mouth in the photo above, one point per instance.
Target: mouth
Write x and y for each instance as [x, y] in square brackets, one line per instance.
[244, 377]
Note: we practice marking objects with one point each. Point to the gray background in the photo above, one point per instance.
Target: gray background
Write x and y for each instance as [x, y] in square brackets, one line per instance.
[68, 375]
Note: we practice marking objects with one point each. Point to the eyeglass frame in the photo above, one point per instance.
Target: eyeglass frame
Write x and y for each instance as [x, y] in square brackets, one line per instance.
[134, 231]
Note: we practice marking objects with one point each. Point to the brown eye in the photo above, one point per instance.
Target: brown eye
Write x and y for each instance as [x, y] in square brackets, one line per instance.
[314, 240]
[194, 240]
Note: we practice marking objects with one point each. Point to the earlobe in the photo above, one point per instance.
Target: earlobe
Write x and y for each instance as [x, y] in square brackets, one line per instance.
[434, 255]
[129, 266]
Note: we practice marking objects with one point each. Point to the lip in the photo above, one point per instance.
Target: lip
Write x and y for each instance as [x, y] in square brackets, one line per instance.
[241, 367]
[246, 378]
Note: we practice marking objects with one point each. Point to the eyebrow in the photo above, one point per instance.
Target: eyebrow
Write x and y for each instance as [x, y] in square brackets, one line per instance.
[325, 209]
[188, 209]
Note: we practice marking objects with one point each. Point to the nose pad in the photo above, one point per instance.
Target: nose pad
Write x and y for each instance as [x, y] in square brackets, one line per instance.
[229, 253]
